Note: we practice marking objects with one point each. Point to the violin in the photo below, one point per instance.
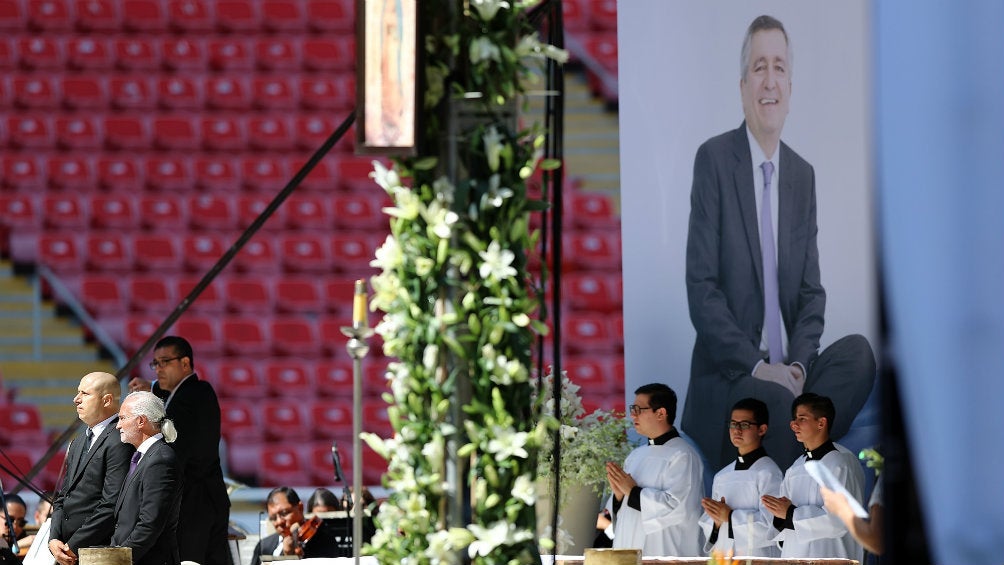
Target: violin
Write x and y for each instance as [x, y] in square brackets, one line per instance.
[308, 529]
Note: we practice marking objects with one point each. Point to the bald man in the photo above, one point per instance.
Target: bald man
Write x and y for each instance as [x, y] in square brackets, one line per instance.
[83, 514]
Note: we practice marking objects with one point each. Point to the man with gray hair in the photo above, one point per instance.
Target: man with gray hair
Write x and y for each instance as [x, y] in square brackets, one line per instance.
[146, 515]
[753, 283]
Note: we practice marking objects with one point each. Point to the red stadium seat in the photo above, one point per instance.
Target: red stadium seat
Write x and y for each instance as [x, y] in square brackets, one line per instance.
[12, 15]
[334, 378]
[35, 91]
[129, 92]
[184, 54]
[230, 55]
[274, 93]
[157, 252]
[240, 379]
[180, 93]
[228, 93]
[41, 53]
[285, 421]
[50, 16]
[258, 256]
[308, 212]
[245, 336]
[312, 131]
[114, 211]
[21, 424]
[21, 172]
[591, 372]
[119, 174]
[282, 465]
[215, 174]
[375, 383]
[331, 54]
[290, 378]
[202, 251]
[65, 212]
[168, 174]
[282, 15]
[375, 417]
[268, 133]
[209, 212]
[176, 133]
[97, 15]
[587, 333]
[264, 174]
[594, 250]
[127, 132]
[90, 54]
[249, 296]
[202, 332]
[108, 252]
[102, 295]
[19, 212]
[295, 337]
[30, 132]
[590, 210]
[138, 329]
[135, 54]
[8, 54]
[144, 15]
[322, 468]
[209, 301]
[327, 92]
[321, 177]
[237, 15]
[84, 93]
[596, 292]
[298, 295]
[331, 15]
[602, 48]
[305, 253]
[70, 173]
[331, 419]
[239, 421]
[60, 252]
[152, 294]
[352, 253]
[359, 212]
[21, 459]
[574, 15]
[191, 15]
[250, 206]
[603, 14]
[276, 54]
[78, 133]
[338, 294]
[162, 213]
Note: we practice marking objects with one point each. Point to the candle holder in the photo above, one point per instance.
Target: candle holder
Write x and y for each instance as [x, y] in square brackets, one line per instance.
[358, 347]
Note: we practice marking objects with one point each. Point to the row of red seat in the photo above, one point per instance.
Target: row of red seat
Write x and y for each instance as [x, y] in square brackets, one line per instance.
[228, 16]
[585, 15]
[177, 54]
[171, 132]
[132, 253]
[207, 211]
[189, 92]
[169, 173]
[300, 463]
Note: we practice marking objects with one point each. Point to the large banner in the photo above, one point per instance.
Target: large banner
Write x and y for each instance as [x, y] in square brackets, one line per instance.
[679, 82]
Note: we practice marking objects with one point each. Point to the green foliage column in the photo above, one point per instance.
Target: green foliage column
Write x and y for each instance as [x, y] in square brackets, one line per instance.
[458, 303]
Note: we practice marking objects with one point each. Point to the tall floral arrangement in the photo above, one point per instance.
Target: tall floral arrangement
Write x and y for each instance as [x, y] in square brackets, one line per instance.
[458, 303]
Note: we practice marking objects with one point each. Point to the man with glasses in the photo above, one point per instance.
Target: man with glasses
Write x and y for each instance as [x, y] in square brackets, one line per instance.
[96, 465]
[656, 500]
[806, 528]
[734, 518]
[285, 512]
[17, 510]
[191, 402]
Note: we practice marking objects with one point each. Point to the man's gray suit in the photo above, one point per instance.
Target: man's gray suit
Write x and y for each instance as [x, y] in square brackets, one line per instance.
[146, 515]
[84, 508]
[725, 297]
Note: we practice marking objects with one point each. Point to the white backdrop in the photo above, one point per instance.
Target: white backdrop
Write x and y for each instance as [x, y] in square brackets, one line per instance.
[679, 86]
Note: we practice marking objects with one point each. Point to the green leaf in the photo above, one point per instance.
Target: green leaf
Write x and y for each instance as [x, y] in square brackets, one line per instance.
[550, 164]
[426, 163]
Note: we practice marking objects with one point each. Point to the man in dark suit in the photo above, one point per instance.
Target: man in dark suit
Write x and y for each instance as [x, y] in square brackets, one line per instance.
[192, 404]
[146, 513]
[96, 465]
[285, 511]
[739, 352]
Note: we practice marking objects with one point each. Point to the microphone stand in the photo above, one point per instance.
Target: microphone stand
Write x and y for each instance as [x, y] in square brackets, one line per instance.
[358, 346]
[10, 524]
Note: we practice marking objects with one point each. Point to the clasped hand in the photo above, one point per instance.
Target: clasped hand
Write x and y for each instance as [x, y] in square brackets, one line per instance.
[621, 483]
[788, 376]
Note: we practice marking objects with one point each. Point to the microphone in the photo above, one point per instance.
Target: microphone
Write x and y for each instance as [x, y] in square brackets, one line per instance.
[337, 461]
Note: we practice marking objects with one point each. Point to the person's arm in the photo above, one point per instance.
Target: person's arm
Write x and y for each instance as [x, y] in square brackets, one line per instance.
[710, 310]
[867, 532]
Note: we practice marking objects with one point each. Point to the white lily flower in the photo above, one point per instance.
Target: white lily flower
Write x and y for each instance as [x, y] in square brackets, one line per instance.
[507, 443]
[495, 195]
[444, 190]
[408, 206]
[386, 178]
[493, 147]
[388, 255]
[497, 262]
[430, 357]
[500, 533]
[488, 8]
[440, 219]
[525, 489]
[482, 49]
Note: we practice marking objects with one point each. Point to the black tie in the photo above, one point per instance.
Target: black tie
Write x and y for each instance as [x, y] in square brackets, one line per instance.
[88, 434]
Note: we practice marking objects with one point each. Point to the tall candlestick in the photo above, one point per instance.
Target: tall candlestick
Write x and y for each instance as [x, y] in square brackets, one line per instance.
[359, 304]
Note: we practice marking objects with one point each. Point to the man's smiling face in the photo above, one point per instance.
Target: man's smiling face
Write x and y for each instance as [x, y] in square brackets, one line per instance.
[766, 87]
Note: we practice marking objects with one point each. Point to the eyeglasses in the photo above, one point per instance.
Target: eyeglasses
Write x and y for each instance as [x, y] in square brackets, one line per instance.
[742, 425]
[637, 410]
[158, 363]
[19, 521]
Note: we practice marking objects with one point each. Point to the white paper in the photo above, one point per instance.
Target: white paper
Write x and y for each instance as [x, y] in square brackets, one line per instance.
[38, 553]
[825, 478]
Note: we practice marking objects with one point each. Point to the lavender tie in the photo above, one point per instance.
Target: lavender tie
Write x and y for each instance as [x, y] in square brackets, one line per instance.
[772, 308]
[133, 462]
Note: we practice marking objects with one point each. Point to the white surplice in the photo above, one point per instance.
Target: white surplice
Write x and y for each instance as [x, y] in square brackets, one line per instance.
[752, 524]
[670, 477]
[818, 533]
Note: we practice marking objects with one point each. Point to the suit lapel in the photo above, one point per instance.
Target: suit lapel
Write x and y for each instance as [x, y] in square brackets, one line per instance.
[743, 184]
